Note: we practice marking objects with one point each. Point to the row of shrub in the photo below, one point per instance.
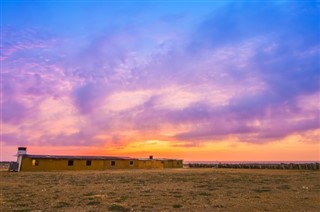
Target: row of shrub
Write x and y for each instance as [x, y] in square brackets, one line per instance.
[303, 166]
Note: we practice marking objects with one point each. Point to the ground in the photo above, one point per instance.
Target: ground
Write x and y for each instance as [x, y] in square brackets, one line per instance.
[161, 190]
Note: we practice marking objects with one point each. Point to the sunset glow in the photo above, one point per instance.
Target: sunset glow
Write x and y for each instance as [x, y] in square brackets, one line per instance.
[200, 81]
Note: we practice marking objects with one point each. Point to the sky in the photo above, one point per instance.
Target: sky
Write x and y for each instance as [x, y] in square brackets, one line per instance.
[195, 80]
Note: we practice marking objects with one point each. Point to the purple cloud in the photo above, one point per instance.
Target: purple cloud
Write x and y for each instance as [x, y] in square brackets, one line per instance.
[13, 112]
[238, 71]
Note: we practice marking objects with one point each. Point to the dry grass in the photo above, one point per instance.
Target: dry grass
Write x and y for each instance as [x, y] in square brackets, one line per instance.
[161, 190]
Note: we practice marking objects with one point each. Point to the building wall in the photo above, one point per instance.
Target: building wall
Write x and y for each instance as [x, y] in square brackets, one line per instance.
[149, 164]
[173, 163]
[45, 164]
[120, 164]
[60, 164]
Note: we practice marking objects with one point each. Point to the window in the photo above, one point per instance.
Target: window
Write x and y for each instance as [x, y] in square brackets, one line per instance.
[131, 162]
[35, 162]
[113, 163]
[70, 162]
[88, 163]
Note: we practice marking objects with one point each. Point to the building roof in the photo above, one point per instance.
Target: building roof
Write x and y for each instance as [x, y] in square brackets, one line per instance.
[69, 157]
[157, 159]
[76, 157]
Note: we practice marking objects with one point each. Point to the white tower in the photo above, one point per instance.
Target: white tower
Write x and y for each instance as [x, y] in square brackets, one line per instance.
[21, 151]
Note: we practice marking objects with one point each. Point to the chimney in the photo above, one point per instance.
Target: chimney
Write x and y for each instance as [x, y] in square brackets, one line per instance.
[22, 151]
[151, 157]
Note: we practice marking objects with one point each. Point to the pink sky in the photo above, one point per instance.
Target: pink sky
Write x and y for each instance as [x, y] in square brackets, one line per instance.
[208, 81]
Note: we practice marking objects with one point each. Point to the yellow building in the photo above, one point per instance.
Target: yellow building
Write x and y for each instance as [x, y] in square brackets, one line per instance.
[28, 162]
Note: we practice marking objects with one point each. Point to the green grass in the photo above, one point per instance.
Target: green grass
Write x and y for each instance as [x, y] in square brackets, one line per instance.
[21, 210]
[62, 204]
[23, 204]
[262, 190]
[122, 199]
[204, 194]
[177, 206]
[89, 194]
[111, 193]
[93, 202]
[115, 207]
[285, 186]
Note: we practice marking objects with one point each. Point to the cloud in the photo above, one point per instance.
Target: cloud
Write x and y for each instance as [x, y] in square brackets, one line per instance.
[240, 72]
[13, 112]
[89, 96]
[19, 41]
[13, 139]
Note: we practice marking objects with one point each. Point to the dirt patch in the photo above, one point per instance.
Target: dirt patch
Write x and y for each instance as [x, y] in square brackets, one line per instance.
[161, 190]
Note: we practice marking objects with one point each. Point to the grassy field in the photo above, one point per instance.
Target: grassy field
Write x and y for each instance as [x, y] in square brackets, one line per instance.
[161, 190]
